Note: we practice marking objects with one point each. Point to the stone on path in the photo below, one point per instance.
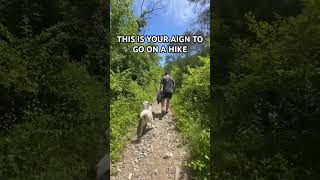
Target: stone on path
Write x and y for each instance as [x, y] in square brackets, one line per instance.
[118, 169]
[155, 171]
[168, 155]
[130, 176]
[177, 176]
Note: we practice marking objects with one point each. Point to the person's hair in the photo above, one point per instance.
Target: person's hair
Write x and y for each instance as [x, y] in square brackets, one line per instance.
[167, 72]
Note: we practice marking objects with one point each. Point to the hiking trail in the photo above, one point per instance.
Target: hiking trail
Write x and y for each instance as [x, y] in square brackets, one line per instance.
[160, 155]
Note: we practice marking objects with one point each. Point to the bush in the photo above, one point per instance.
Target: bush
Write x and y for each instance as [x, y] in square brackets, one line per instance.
[190, 105]
[125, 108]
[61, 138]
[53, 112]
[269, 126]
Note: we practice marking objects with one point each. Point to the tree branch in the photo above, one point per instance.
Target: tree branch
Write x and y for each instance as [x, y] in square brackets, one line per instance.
[141, 6]
[154, 8]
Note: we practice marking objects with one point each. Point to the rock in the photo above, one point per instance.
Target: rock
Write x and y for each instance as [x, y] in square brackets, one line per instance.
[114, 172]
[130, 176]
[177, 176]
[168, 155]
[155, 171]
[141, 156]
[145, 150]
[118, 169]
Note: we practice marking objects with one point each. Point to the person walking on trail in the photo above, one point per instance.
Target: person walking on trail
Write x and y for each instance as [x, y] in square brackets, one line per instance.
[166, 86]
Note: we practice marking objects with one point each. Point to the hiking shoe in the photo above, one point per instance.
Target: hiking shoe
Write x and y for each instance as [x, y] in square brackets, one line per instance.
[164, 113]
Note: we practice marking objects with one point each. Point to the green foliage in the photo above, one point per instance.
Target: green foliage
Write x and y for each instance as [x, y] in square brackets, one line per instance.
[126, 105]
[134, 78]
[190, 106]
[268, 127]
[52, 112]
[179, 67]
[58, 133]
[127, 98]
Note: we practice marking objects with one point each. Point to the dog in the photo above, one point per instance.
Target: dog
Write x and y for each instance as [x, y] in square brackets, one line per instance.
[146, 116]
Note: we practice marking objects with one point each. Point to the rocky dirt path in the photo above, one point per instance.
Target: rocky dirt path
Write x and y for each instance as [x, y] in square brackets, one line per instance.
[159, 155]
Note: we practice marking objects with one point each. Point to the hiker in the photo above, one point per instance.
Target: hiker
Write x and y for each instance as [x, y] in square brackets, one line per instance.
[166, 86]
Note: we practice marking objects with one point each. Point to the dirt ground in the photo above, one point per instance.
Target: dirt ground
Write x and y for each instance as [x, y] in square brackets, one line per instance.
[160, 155]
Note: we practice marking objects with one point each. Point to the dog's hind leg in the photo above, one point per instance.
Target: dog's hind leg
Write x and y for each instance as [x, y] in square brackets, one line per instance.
[140, 127]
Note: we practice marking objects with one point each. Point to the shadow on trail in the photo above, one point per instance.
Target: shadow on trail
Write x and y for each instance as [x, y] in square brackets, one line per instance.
[158, 115]
[145, 130]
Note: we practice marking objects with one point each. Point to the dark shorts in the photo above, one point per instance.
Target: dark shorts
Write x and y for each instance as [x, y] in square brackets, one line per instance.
[167, 95]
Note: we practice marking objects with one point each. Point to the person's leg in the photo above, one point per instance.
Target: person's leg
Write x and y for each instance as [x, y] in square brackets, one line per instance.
[162, 104]
[164, 97]
[167, 104]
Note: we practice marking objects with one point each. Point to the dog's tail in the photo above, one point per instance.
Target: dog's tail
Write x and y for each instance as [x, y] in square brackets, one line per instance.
[141, 126]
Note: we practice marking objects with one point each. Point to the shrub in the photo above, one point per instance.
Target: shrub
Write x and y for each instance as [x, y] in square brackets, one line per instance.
[190, 105]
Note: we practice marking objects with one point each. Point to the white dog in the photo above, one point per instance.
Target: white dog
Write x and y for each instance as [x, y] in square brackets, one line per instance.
[145, 117]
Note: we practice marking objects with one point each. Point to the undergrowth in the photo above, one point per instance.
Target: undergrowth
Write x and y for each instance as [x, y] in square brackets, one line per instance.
[125, 109]
[190, 105]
